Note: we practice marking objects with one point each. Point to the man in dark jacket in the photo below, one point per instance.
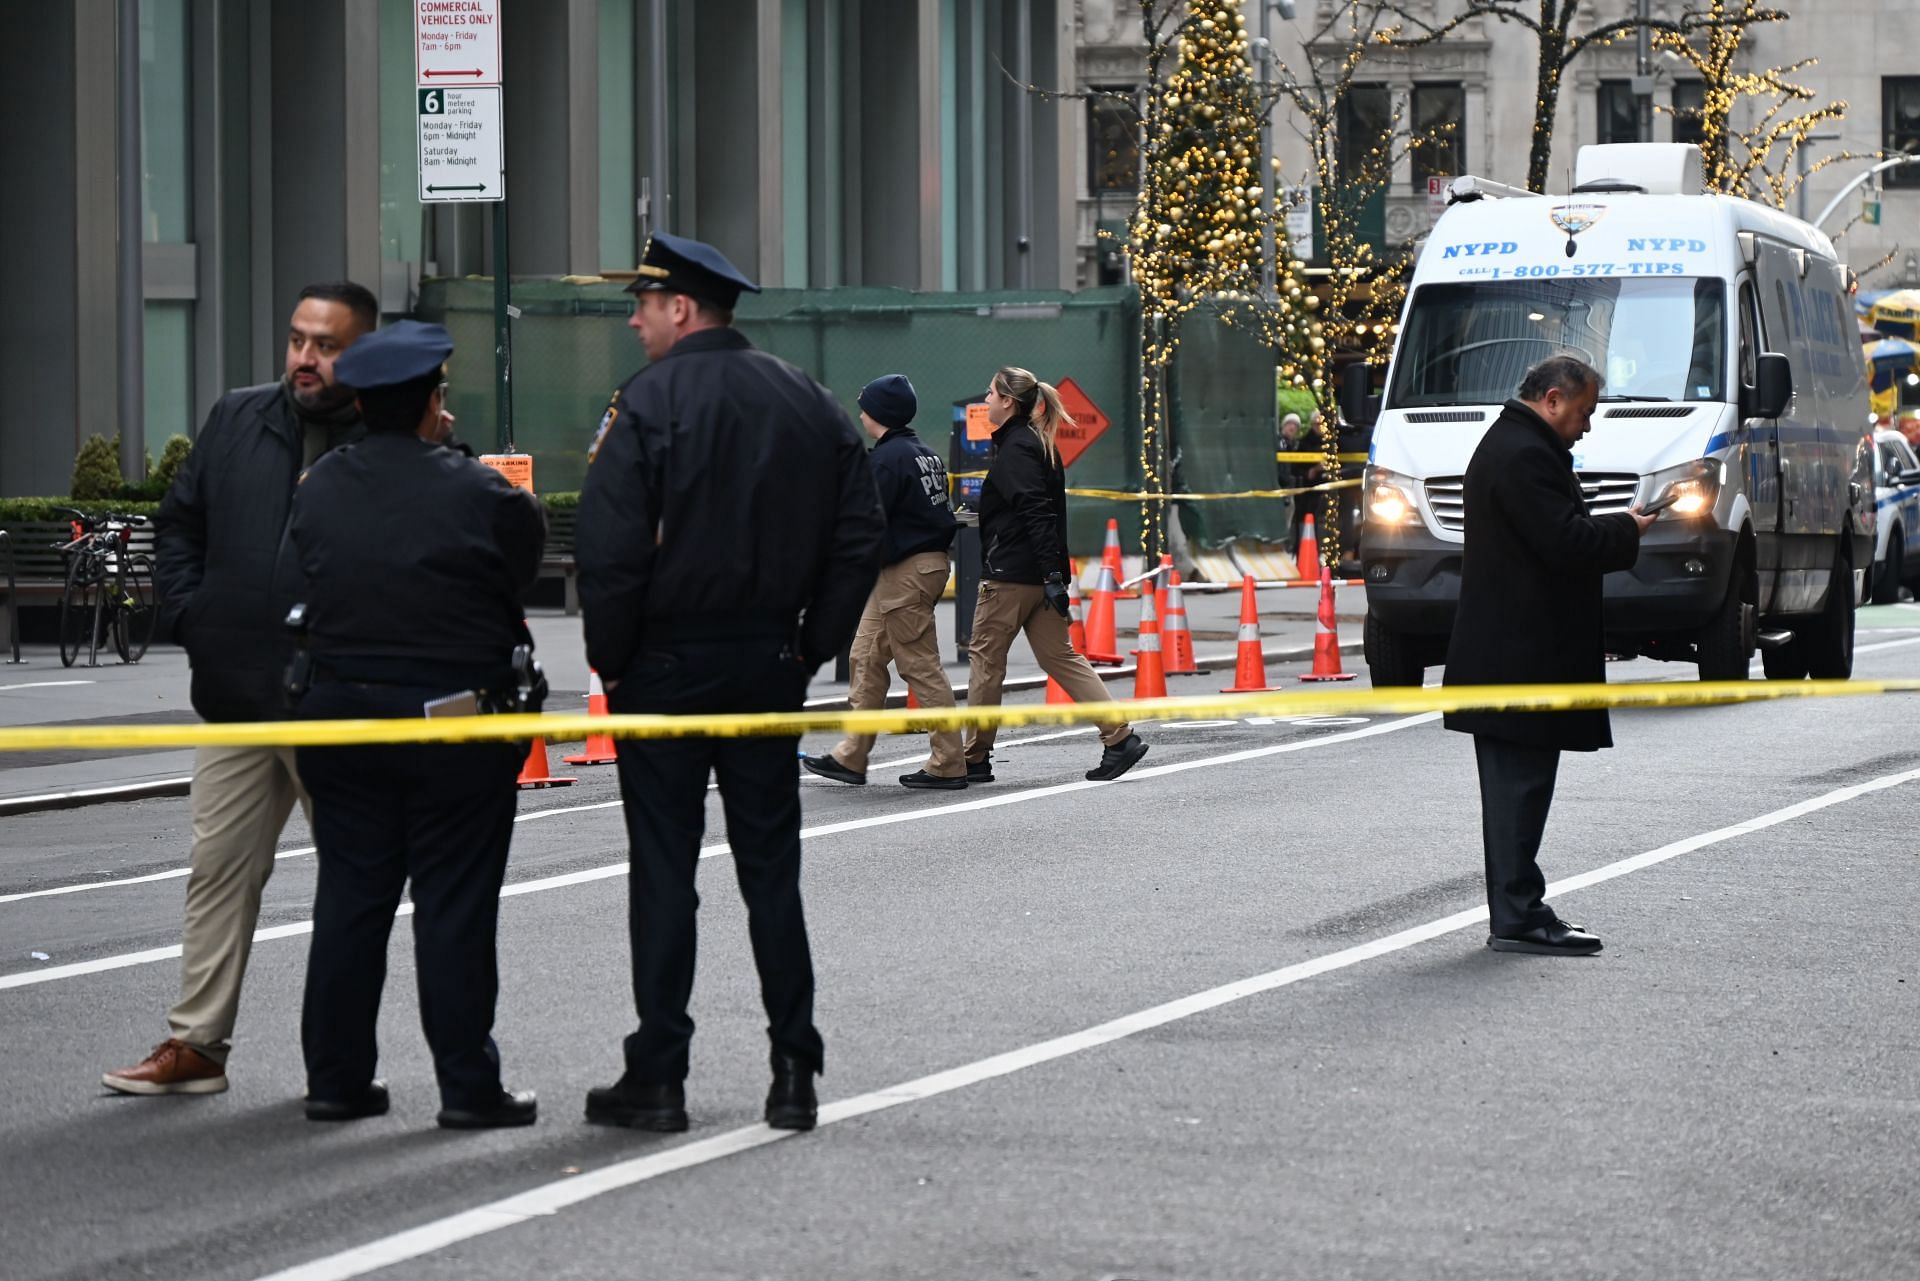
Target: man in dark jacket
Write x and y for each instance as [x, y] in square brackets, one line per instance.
[729, 532]
[897, 626]
[218, 541]
[1529, 613]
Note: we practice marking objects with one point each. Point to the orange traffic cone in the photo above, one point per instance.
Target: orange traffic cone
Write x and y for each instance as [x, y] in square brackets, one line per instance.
[913, 699]
[1326, 637]
[535, 773]
[1149, 673]
[1110, 551]
[1307, 559]
[599, 749]
[1250, 666]
[1160, 584]
[1179, 637]
[1103, 644]
[1076, 635]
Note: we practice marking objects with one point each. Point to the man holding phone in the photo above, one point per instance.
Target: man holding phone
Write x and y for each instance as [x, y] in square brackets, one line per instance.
[1530, 613]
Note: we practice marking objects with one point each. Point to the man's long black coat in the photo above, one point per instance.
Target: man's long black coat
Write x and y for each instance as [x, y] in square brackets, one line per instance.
[1530, 582]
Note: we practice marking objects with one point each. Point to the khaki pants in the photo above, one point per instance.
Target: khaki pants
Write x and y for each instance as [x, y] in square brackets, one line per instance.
[241, 799]
[898, 626]
[1003, 610]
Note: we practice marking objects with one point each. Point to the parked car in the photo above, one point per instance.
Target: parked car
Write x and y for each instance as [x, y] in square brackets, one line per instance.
[1896, 492]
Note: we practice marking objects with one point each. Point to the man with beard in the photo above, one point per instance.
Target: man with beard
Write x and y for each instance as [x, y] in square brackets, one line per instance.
[218, 539]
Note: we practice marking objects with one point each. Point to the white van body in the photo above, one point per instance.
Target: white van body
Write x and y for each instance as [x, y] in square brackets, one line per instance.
[1674, 296]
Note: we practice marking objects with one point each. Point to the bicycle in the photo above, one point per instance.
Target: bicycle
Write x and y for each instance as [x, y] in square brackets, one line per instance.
[109, 589]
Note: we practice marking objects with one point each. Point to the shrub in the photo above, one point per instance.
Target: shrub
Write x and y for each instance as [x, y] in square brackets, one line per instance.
[160, 479]
[96, 469]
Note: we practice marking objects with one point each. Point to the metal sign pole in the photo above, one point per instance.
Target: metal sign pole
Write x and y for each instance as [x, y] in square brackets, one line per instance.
[502, 332]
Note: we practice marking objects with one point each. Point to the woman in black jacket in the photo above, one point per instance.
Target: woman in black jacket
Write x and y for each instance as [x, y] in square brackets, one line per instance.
[1023, 583]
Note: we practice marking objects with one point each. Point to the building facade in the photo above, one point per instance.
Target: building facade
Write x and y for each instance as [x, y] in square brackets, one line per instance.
[819, 143]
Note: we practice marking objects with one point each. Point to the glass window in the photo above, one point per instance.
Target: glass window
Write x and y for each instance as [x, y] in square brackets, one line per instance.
[168, 354]
[1619, 112]
[619, 215]
[1900, 126]
[1366, 134]
[1113, 141]
[1689, 97]
[401, 213]
[1439, 117]
[166, 126]
[1469, 344]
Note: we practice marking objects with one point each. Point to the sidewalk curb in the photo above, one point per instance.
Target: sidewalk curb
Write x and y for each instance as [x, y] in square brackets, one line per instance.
[169, 787]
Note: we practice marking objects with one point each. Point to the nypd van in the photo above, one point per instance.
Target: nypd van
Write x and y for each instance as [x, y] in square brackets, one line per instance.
[1734, 384]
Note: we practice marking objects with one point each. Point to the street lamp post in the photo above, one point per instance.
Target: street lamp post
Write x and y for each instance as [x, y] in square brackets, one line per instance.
[1848, 190]
[1800, 161]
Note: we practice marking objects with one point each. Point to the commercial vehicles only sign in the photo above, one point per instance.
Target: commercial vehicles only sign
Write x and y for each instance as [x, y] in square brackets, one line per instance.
[457, 42]
[458, 95]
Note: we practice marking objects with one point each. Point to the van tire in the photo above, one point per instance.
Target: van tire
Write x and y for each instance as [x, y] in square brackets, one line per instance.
[1724, 647]
[1827, 641]
[1886, 582]
[1393, 658]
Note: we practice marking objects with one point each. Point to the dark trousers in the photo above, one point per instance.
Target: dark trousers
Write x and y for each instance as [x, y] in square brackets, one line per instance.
[442, 815]
[664, 785]
[1516, 790]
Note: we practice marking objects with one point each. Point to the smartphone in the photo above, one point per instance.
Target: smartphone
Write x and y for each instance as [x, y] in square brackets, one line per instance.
[1660, 504]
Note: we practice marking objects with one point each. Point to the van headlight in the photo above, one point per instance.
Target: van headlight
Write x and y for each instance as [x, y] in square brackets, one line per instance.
[1392, 499]
[1693, 485]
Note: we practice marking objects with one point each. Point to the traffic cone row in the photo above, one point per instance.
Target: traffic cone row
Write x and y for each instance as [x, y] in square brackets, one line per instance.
[1326, 637]
[1110, 557]
[599, 749]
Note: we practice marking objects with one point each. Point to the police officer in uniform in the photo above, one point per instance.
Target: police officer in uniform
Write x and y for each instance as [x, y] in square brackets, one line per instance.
[728, 534]
[414, 558]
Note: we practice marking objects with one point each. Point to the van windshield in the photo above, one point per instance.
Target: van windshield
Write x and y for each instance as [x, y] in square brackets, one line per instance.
[1654, 339]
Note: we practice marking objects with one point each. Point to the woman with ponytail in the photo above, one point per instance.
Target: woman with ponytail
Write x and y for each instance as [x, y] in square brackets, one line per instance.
[1023, 569]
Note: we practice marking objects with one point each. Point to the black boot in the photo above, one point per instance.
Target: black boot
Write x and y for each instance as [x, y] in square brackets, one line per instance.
[513, 1107]
[791, 1102]
[1118, 759]
[639, 1105]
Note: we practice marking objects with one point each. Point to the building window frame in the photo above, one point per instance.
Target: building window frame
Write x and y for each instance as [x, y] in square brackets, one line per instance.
[1113, 140]
[1688, 100]
[1616, 113]
[1900, 94]
[1444, 156]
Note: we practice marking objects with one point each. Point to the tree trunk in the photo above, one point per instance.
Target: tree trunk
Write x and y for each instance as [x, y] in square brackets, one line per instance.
[1546, 105]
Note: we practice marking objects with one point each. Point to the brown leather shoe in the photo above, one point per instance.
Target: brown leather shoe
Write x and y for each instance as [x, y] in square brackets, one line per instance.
[174, 1067]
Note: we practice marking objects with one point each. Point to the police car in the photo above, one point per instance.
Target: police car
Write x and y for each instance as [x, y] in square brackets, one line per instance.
[1896, 491]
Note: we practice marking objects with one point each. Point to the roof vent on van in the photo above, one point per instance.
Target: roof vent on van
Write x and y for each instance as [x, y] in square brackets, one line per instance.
[1609, 187]
[1657, 168]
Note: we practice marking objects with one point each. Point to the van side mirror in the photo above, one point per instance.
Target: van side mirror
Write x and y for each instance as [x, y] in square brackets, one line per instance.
[1910, 476]
[1772, 389]
[1357, 403]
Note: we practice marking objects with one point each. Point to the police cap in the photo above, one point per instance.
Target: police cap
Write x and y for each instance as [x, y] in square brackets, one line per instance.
[677, 265]
[403, 352]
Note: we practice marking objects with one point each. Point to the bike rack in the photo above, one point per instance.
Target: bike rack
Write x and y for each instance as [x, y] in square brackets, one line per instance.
[13, 599]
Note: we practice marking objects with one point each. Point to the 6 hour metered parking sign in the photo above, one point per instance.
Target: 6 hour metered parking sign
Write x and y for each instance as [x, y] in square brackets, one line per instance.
[460, 153]
[457, 89]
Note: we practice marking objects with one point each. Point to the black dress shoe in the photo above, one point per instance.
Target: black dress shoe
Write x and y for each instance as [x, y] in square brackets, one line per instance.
[371, 1101]
[980, 771]
[639, 1106]
[827, 767]
[1118, 759]
[932, 782]
[1555, 938]
[513, 1107]
[791, 1102]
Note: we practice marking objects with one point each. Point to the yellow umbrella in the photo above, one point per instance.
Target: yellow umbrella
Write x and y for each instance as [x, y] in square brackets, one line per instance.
[1896, 314]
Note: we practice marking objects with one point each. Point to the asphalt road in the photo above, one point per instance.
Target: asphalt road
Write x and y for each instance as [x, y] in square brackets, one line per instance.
[1229, 1017]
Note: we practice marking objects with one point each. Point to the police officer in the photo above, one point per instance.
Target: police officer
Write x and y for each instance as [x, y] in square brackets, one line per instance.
[414, 558]
[729, 531]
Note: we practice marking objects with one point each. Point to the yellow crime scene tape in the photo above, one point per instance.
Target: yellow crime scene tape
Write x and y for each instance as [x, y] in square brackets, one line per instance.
[577, 725]
[1142, 496]
[1302, 456]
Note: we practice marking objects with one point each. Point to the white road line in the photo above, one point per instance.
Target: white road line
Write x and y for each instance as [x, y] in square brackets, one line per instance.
[551, 1198]
[29, 978]
[175, 873]
[42, 685]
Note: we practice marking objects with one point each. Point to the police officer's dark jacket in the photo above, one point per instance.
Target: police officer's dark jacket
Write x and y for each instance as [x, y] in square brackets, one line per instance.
[913, 492]
[415, 557]
[1530, 594]
[1023, 508]
[728, 494]
[217, 541]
